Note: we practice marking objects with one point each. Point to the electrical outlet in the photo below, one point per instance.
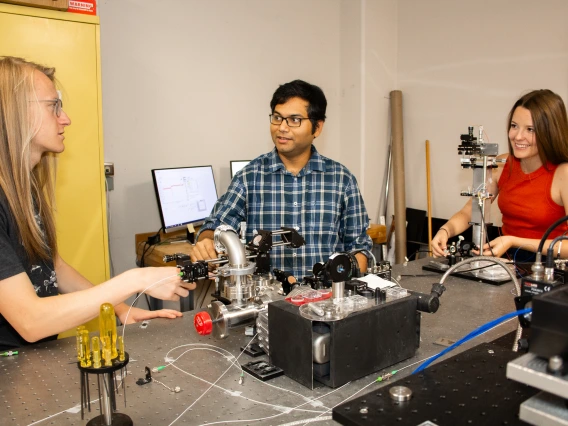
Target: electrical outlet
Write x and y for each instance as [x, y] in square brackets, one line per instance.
[109, 169]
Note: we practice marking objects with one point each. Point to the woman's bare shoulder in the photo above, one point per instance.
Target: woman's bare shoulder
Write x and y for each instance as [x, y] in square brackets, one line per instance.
[500, 166]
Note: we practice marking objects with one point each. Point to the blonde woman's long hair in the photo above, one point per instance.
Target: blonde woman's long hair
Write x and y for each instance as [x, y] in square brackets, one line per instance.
[29, 193]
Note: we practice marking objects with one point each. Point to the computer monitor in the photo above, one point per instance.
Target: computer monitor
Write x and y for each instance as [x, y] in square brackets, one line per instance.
[186, 195]
[237, 165]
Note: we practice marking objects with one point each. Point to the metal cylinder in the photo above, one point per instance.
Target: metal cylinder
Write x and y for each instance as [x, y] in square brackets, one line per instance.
[230, 316]
[338, 289]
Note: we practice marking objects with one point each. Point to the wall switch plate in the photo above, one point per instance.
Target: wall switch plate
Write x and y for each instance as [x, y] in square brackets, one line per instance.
[109, 169]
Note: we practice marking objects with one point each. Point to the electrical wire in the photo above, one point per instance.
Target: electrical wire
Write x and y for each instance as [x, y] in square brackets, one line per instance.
[560, 246]
[279, 414]
[524, 260]
[341, 402]
[147, 246]
[205, 294]
[151, 249]
[232, 393]
[547, 233]
[304, 422]
[550, 251]
[196, 298]
[478, 331]
[141, 262]
[229, 355]
[203, 394]
[416, 252]
[143, 292]
[476, 269]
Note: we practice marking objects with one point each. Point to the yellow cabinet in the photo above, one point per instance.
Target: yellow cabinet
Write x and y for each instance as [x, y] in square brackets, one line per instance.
[70, 43]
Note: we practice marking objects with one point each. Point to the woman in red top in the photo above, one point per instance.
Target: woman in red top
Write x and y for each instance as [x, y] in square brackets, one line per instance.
[533, 183]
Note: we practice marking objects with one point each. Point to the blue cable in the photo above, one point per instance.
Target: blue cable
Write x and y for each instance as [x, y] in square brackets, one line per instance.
[474, 333]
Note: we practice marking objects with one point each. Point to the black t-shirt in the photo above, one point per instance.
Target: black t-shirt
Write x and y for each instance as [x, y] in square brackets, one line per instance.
[13, 261]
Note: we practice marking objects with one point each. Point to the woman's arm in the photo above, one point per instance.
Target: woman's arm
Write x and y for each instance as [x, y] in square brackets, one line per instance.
[34, 317]
[459, 222]
[455, 226]
[70, 280]
[501, 244]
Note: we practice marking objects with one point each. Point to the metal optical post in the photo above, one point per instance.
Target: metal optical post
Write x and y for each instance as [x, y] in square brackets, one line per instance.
[481, 157]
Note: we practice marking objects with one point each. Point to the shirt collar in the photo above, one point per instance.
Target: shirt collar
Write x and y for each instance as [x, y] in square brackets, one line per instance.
[316, 162]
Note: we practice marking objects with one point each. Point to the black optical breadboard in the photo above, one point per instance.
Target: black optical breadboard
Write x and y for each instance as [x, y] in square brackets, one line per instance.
[467, 389]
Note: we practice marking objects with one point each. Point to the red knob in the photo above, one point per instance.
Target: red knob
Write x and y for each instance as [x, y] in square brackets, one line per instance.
[203, 324]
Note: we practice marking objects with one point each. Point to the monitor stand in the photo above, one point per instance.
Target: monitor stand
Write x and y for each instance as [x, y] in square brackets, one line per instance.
[484, 271]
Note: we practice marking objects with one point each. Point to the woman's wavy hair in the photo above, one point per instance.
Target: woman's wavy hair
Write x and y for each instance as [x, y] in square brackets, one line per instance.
[29, 193]
[550, 124]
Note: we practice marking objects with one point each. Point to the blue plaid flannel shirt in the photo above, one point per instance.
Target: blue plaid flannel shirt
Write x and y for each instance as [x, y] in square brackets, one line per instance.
[322, 202]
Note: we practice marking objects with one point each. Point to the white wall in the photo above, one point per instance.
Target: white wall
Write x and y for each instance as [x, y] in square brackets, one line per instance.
[368, 74]
[465, 63]
[188, 82]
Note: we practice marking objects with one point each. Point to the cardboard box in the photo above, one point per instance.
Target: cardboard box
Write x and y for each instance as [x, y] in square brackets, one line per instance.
[88, 7]
[44, 4]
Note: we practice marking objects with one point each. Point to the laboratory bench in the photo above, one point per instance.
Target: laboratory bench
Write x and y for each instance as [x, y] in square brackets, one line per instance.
[41, 384]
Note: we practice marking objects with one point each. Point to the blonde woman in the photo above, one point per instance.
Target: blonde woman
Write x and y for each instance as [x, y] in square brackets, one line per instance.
[32, 133]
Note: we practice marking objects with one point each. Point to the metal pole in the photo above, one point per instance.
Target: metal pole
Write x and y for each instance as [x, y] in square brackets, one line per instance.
[106, 404]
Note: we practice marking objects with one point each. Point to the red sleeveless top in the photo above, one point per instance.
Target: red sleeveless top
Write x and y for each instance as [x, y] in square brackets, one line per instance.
[525, 202]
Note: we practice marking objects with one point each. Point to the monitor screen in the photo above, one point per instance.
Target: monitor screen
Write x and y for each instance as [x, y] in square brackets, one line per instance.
[185, 195]
[237, 165]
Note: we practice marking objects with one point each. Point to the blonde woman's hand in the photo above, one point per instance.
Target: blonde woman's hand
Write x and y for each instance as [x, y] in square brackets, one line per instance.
[164, 283]
[137, 315]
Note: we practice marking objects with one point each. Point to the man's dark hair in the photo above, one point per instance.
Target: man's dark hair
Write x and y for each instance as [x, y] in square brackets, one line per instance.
[306, 91]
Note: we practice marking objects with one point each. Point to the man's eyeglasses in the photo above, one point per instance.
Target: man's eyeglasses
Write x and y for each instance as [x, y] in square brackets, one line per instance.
[57, 105]
[292, 121]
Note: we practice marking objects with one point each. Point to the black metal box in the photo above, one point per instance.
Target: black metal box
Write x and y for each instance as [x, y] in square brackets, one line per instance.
[360, 344]
[549, 333]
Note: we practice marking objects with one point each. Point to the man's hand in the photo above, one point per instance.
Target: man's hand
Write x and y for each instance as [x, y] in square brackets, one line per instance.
[203, 250]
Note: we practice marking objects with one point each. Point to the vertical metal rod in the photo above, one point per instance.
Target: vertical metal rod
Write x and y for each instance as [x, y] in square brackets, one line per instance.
[482, 207]
[122, 377]
[82, 395]
[106, 410]
[115, 382]
[88, 391]
[99, 388]
[387, 183]
[113, 391]
[429, 198]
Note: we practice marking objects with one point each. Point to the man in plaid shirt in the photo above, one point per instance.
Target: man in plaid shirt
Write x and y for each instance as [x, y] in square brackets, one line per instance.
[294, 186]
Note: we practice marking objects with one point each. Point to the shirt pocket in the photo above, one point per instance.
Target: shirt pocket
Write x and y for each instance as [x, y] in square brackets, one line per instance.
[324, 216]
